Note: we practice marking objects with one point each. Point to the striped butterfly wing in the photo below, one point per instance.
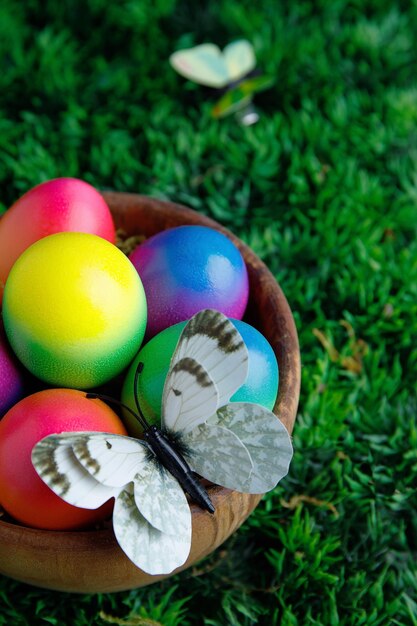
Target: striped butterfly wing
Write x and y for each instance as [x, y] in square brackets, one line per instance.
[189, 396]
[55, 462]
[209, 364]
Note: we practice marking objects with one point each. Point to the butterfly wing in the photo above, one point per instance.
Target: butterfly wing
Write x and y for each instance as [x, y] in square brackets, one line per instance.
[202, 64]
[57, 465]
[240, 59]
[161, 500]
[189, 395]
[87, 469]
[217, 454]
[212, 342]
[113, 460]
[266, 439]
[154, 551]
[243, 447]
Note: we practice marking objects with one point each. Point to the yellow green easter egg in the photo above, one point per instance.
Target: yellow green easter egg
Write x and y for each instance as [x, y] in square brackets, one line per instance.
[74, 310]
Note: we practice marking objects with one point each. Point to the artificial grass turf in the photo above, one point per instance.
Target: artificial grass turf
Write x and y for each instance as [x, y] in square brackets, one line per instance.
[324, 189]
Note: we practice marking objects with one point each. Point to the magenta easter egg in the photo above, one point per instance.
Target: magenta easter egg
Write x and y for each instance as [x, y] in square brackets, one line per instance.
[11, 376]
[187, 269]
[62, 204]
[23, 494]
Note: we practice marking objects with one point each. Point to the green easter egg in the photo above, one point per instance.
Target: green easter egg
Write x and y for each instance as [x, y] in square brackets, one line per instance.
[261, 386]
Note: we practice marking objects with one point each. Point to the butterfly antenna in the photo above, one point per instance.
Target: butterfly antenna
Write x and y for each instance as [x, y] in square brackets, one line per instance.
[139, 370]
[99, 396]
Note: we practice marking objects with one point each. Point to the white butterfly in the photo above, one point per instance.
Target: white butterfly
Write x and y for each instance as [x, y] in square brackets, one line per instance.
[228, 70]
[240, 446]
[207, 65]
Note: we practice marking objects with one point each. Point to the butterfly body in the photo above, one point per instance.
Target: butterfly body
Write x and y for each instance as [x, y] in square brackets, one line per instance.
[172, 459]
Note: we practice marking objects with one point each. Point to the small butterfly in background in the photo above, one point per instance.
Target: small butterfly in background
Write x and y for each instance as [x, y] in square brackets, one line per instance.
[230, 71]
[238, 445]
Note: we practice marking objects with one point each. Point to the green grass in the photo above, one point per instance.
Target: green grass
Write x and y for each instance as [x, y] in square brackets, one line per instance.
[324, 188]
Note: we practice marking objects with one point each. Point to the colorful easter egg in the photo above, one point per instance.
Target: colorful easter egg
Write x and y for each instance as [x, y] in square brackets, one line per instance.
[187, 269]
[74, 310]
[22, 493]
[62, 204]
[11, 375]
[261, 386]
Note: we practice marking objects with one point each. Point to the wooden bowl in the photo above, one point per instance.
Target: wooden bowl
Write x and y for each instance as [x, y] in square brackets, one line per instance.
[91, 561]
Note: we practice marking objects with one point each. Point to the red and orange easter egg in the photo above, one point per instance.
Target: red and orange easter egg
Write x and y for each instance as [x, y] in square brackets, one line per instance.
[23, 494]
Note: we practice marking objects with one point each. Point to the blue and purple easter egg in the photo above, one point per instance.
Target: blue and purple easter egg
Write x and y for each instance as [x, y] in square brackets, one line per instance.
[11, 376]
[187, 269]
[260, 387]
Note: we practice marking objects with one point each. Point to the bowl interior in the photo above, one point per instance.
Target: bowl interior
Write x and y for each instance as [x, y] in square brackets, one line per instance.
[90, 560]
